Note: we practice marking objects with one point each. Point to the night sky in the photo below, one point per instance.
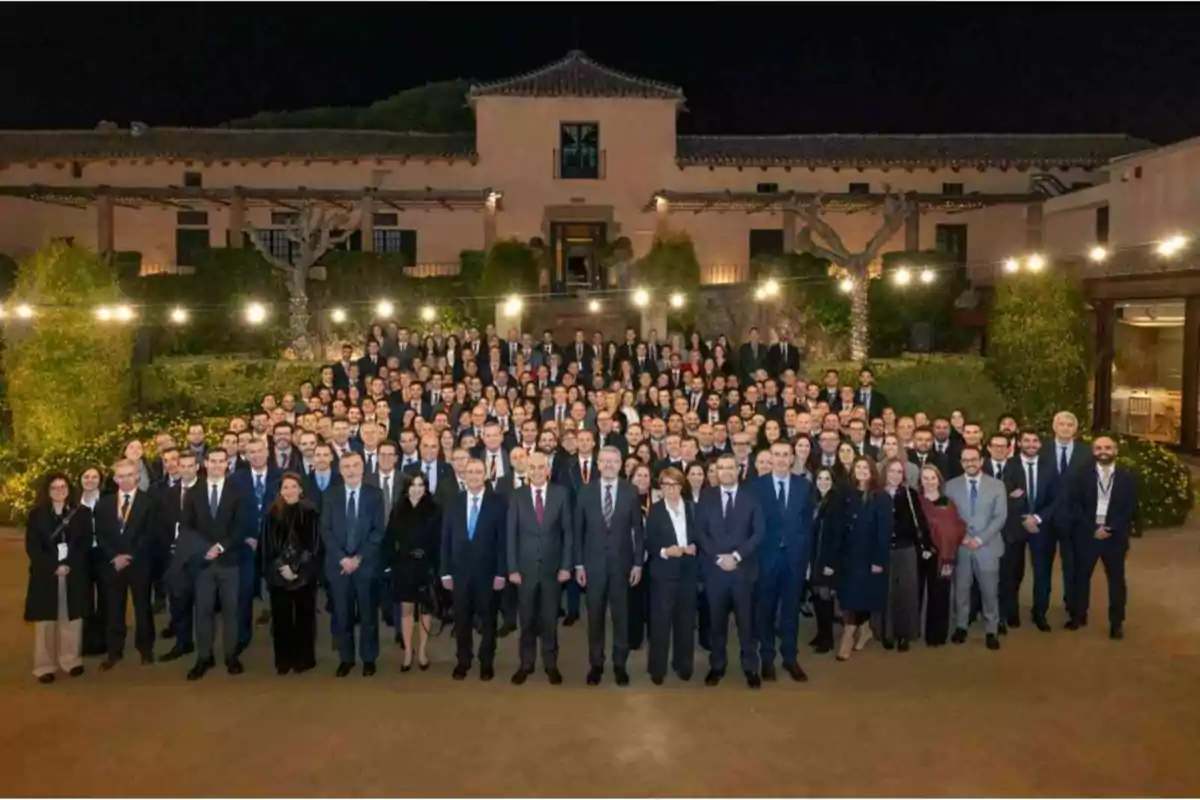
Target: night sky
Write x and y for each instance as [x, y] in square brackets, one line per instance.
[745, 68]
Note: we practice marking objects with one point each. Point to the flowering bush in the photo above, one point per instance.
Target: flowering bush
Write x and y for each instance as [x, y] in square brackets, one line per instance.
[1165, 492]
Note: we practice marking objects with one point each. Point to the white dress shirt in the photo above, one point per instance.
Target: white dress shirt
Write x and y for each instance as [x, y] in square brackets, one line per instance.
[679, 523]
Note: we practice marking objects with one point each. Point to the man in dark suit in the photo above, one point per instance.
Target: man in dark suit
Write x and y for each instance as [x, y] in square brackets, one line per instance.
[627, 351]
[581, 353]
[752, 356]
[124, 524]
[352, 529]
[214, 510]
[1063, 457]
[1103, 501]
[783, 355]
[474, 566]
[867, 396]
[257, 488]
[947, 448]
[731, 528]
[539, 541]
[491, 452]
[786, 502]
[368, 365]
[323, 474]
[580, 469]
[341, 370]
[180, 593]
[283, 456]
[439, 476]
[606, 436]
[609, 553]
[1031, 500]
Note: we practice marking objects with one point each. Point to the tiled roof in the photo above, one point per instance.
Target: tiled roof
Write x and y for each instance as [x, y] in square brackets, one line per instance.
[917, 150]
[227, 143]
[576, 75]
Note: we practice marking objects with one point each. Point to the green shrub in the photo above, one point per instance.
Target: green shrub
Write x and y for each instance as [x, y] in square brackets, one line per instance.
[68, 373]
[1166, 495]
[510, 266]
[1039, 347]
[670, 264]
[215, 385]
[895, 309]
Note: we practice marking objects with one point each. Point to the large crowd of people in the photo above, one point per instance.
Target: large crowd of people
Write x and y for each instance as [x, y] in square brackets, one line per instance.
[498, 485]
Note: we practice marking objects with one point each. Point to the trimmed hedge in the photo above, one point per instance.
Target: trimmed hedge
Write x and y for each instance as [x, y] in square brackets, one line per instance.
[214, 385]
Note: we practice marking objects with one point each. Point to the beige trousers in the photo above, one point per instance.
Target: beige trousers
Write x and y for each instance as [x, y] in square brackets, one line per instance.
[57, 644]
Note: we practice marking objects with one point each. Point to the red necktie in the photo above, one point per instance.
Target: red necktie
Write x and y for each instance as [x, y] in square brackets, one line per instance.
[537, 504]
[492, 468]
[586, 472]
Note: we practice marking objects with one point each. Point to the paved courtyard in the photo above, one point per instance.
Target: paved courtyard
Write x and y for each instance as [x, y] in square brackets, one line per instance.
[1050, 714]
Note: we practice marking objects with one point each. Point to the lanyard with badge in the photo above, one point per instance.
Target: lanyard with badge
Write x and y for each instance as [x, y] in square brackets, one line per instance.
[1105, 492]
[59, 530]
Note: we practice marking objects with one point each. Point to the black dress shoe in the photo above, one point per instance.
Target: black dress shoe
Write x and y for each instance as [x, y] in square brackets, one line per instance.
[768, 672]
[108, 663]
[1014, 622]
[959, 636]
[76, 671]
[202, 666]
[368, 669]
[902, 645]
[684, 676]
[177, 652]
[241, 648]
[147, 659]
[344, 669]
[798, 674]
[460, 673]
[234, 667]
[657, 680]
[621, 675]
[520, 676]
[815, 641]
[1116, 631]
[486, 673]
[889, 644]
[303, 668]
[752, 680]
[505, 630]
[1041, 624]
[166, 633]
[1074, 625]
[570, 619]
[47, 678]
[993, 642]
[1002, 629]
[712, 678]
[823, 648]
[554, 676]
[594, 675]
[282, 670]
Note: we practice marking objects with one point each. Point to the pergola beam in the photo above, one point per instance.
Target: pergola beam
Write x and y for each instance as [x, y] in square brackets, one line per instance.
[843, 202]
[429, 197]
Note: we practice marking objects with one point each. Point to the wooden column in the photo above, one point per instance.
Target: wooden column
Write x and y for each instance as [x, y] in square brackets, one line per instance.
[1033, 226]
[912, 227]
[789, 230]
[237, 220]
[366, 223]
[1190, 399]
[1106, 320]
[105, 233]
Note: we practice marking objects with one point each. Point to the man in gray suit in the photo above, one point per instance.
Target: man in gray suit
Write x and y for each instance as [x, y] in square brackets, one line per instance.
[539, 541]
[983, 504]
[609, 552]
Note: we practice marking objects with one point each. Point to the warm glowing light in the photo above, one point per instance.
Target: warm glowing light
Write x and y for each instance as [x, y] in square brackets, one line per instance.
[2, 312]
[1098, 254]
[846, 285]
[641, 298]
[928, 276]
[1171, 246]
[178, 315]
[123, 314]
[24, 311]
[1012, 265]
[104, 313]
[660, 203]
[256, 313]
[903, 277]
[677, 300]
[429, 313]
[513, 305]
[594, 306]
[337, 316]
[769, 289]
[1035, 263]
[384, 309]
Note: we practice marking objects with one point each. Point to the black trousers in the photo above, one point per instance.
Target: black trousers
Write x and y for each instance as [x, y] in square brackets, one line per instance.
[938, 593]
[508, 602]
[538, 598]
[639, 611]
[1012, 573]
[118, 586]
[703, 618]
[1111, 553]
[294, 627]
[673, 624]
[823, 607]
[95, 627]
[607, 592]
[474, 598]
[731, 592]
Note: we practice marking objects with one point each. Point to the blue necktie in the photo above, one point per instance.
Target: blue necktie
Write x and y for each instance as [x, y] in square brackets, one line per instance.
[260, 490]
[1062, 459]
[974, 495]
[728, 504]
[782, 496]
[323, 482]
[429, 479]
[351, 523]
[473, 519]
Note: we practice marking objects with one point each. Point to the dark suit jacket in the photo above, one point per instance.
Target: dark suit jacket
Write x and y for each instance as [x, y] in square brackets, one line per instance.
[742, 531]
[777, 364]
[878, 402]
[483, 557]
[169, 511]
[368, 368]
[660, 534]
[1122, 504]
[227, 528]
[294, 462]
[136, 536]
[1080, 459]
[571, 474]
[253, 516]
[312, 489]
[370, 528]
[1016, 485]
[613, 439]
[447, 483]
[748, 363]
[786, 531]
[539, 549]
[618, 545]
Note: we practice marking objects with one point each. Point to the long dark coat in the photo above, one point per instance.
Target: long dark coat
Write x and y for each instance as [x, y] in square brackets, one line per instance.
[827, 538]
[291, 536]
[866, 541]
[41, 545]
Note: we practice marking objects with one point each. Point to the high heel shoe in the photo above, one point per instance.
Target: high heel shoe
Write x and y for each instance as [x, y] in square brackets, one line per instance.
[406, 667]
[847, 646]
[423, 665]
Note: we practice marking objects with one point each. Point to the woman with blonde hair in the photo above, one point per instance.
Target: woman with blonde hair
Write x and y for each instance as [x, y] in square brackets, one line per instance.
[947, 531]
[911, 546]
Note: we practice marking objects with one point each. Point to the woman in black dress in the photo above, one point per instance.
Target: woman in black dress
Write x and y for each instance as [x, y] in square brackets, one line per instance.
[291, 553]
[412, 547]
[826, 554]
[58, 537]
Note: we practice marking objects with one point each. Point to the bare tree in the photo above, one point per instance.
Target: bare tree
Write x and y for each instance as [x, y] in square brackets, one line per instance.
[315, 230]
[895, 210]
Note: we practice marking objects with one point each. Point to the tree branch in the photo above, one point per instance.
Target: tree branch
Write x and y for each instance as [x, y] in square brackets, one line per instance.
[255, 237]
[895, 210]
[805, 244]
[811, 215]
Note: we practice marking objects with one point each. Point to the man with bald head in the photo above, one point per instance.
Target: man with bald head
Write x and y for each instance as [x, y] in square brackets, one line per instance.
[439, 476]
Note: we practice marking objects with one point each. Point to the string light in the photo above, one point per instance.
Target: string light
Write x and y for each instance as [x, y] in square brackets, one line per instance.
[429, 313]
[384, 309]
[846, 285]
[104, 314]
[256, 313]
[1035, 263]
[1171, 246]
[641, 298]
[24, 311]
[768, 290]
[594, 306]
[1098, 254]
[902, 276]
[677, 300]
[513, 305]
[123, 314]
[1012, 265]
[178, 316]
[928, 276]
[337, 316]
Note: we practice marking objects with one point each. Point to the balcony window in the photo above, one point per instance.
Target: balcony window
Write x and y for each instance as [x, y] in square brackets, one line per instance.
[579, 150]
